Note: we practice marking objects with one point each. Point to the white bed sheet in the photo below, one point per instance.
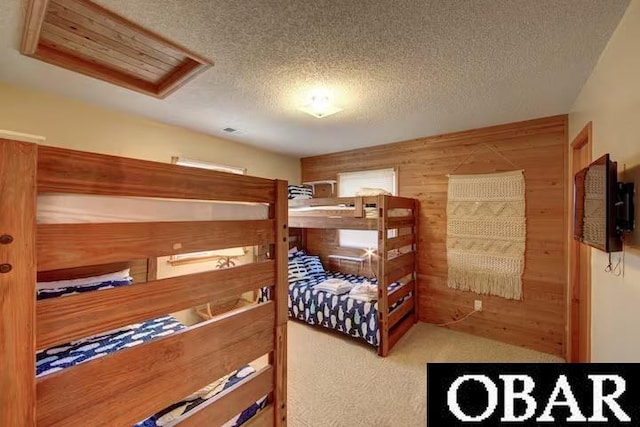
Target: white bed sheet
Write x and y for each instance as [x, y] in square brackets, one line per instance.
[78, 208]
[369, 212]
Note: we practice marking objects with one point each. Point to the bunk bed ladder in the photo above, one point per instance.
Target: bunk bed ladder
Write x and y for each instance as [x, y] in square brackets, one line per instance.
[402, 267]
[383, 294]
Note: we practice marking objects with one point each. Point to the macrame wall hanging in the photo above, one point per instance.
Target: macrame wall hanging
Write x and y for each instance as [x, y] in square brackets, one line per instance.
[486, 233]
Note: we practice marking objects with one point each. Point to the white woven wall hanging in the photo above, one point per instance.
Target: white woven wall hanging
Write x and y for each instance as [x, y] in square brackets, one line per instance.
[486, 233]
[595, 206]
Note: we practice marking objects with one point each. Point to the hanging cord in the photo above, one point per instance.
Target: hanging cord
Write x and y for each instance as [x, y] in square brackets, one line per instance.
[609, 266]
[465, 317]
[619, 267]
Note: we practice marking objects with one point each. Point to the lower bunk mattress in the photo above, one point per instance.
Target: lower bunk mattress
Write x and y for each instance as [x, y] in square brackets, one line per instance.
[76, 352]
[350, 316]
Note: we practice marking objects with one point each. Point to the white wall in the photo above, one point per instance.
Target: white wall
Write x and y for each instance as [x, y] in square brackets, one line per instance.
[73, 124]
[611, 100]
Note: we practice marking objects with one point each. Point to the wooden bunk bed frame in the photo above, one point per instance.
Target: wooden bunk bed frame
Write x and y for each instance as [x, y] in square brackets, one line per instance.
[129, 385]
[392, 325]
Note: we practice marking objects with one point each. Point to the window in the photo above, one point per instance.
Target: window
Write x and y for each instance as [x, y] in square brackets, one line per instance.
[348, 185]
[206, 165]
[221, 254]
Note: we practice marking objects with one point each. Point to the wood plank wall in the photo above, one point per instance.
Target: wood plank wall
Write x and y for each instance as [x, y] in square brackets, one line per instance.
[537, 146]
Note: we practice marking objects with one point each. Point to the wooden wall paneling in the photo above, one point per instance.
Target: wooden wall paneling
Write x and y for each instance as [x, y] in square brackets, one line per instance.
[537, 146]
[17, 268]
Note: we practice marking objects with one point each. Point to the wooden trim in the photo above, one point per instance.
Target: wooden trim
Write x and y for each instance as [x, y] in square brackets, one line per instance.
[74, 245]
[61, 320]
[583, 138]
[69, 171]
[33, 25]
[17, 286]
[187, 72]
[85, 37]
[82, 395]
[401, 311]
[279, 358]
[230, 402]
[578, 313]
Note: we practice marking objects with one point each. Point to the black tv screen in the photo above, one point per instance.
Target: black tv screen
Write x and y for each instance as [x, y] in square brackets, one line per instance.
[595, 195]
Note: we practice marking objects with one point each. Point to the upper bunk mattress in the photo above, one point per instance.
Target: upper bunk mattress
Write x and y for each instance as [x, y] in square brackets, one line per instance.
[80, 208]
[368, 211]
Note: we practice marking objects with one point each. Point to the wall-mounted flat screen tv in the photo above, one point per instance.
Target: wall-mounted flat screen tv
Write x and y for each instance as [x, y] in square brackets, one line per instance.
[595, 194]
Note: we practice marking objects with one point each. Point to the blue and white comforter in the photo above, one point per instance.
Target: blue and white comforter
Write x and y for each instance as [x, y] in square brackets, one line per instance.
[76, 352]
[72, 290]
[356, 318]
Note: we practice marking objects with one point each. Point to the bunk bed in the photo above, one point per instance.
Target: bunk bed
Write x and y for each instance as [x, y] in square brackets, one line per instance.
[137, 363]
[385, 321]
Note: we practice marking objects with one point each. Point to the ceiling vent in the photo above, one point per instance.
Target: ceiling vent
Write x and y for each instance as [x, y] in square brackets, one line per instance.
[84, 37]
[230, 130]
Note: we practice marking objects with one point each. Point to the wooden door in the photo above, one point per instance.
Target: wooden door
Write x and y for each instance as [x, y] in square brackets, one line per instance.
[579, 305]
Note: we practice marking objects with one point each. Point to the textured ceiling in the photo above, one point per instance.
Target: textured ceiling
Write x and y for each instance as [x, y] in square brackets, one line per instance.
[401, 69]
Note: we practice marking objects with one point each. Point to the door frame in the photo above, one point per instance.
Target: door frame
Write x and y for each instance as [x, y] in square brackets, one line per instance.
[578, 339]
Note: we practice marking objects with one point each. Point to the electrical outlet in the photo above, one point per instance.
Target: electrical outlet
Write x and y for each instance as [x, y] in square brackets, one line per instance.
[477, 305]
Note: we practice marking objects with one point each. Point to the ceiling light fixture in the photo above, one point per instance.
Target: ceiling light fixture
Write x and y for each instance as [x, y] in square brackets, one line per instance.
[320, 107]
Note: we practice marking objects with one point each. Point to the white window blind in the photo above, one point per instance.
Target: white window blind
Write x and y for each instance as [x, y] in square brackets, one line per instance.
[207, 165]
[348, 185]
[232, 252]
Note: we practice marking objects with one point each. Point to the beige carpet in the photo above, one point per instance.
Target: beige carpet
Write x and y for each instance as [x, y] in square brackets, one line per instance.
[335, 381]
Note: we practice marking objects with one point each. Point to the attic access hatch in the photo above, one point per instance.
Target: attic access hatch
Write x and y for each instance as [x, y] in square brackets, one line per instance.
[84, 37]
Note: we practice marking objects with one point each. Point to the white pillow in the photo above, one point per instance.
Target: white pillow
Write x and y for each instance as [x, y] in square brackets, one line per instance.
[372, 192]
[85, 281]
[293, 250]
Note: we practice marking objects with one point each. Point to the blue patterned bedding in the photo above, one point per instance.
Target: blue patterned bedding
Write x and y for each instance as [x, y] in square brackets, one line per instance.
[72, 290]
[77, 352]
[356, 318]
